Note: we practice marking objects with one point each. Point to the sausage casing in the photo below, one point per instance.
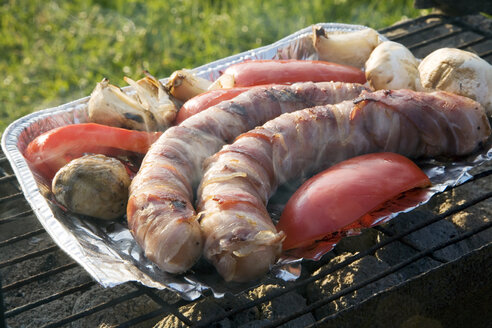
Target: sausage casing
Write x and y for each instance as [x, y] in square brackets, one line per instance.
[160, 209]
[240, 238]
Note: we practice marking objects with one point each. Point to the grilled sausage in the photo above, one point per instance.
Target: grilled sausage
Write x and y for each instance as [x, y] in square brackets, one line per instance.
[160, 213]
[240, 238]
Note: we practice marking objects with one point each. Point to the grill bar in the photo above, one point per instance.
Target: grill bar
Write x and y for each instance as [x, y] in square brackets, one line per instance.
[39, 276]
[30, 306]
[7, 178]
[142, 318]
[22, 237]
[379, 276]
[472, 43]
[15, 216]
[29, 256]
[482, 35]
[5, 199]
[95, 309]
[485, 54]
[476, 177]
[165, 306]
[458, 22]
[410, 244]
[433, 40]
[406, 24]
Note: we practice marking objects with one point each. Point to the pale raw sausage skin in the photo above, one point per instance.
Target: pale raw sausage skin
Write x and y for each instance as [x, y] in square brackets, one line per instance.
[240, 238]
[160, 209]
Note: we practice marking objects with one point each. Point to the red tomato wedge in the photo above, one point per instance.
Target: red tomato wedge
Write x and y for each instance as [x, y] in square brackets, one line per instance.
[48, 152]
[205, 100]
[257, 72]
[344, 194]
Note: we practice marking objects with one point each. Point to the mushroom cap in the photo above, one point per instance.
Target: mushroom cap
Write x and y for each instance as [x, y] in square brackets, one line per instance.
[93, 185]
[460, 72]
[392, 66]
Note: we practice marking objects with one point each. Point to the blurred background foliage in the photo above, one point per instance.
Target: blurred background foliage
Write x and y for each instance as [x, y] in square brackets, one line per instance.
[52, 52]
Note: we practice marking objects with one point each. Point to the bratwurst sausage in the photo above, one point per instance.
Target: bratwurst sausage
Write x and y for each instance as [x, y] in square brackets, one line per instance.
[240, 238]
[160, 213]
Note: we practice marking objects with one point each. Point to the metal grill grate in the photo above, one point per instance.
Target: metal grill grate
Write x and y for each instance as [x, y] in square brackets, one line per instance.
[41, 286]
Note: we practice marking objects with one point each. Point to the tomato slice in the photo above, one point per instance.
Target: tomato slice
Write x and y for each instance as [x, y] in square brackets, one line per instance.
[342, 197]
[48, 152]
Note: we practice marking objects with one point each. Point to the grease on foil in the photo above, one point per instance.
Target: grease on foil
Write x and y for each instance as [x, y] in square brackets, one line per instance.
[108, 252]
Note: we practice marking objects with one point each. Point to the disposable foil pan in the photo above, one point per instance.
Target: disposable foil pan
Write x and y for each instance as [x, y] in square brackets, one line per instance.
[107, 250]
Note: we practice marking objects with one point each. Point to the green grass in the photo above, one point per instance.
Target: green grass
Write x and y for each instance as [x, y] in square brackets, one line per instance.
[54, 52]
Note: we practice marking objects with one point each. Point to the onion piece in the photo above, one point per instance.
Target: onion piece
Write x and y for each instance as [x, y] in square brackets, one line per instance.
[150, 109]
[348, 48]
[184, 85]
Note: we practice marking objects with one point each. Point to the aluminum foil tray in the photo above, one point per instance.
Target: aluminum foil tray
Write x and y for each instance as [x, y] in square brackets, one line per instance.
[107, 250]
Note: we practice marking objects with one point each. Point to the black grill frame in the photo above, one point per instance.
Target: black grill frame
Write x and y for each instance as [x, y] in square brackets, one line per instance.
[11, 198]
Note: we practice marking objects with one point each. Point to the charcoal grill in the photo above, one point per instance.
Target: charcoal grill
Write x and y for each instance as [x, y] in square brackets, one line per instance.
[437, 285]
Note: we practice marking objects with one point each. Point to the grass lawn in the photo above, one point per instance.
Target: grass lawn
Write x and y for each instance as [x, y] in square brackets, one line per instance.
[52, 52]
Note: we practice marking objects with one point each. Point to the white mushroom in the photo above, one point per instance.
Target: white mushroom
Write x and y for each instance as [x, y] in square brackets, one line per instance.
[460, 72]
[392, 66]
[93, 185]
[348, 48]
